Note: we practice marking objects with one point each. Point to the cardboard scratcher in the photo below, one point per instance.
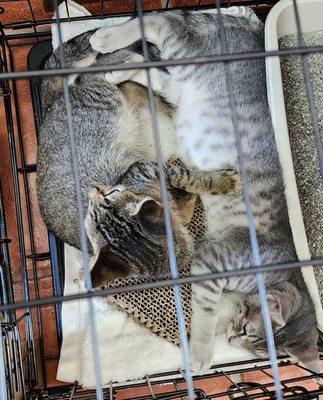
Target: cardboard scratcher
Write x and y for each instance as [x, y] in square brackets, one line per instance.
[155, 308]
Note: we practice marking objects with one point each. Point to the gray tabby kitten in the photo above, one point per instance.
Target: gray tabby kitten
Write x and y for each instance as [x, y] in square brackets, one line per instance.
[204, 127]
[285, 304]
[112, 133]
[125, 222]
[111, 130]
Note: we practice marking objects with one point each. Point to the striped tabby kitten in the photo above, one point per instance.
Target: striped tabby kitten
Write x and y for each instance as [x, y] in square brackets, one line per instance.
[112, 130]
[204, 127]
[125, 222]
[285, 304]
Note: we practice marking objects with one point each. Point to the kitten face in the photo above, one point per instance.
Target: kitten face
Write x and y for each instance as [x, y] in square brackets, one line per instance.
[127, 232]
[293, 332]
[247, 329]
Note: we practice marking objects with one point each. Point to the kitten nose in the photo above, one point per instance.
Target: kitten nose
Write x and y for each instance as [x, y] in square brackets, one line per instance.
[95, 191]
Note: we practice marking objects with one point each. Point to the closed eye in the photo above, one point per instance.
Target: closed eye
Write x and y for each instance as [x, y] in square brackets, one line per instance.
[254, 338]
[106, 195]
[251, 336]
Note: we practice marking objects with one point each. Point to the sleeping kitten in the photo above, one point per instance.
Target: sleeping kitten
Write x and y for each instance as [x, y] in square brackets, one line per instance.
[204, 128]
[112, 131]
[287, 307]
[198, 91]
[125, 223]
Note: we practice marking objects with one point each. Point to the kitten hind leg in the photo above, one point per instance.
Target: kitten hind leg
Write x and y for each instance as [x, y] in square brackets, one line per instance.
[212, 311]
[213, 302]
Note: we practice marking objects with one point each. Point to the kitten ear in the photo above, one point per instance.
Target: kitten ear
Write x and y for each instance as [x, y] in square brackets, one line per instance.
[108, 267]
[278, 308]
[150, 213]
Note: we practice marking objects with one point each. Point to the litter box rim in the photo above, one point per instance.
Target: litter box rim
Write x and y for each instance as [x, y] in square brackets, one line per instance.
[281, 21]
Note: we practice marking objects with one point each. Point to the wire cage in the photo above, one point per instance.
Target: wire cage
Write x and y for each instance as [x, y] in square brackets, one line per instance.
[31, 267]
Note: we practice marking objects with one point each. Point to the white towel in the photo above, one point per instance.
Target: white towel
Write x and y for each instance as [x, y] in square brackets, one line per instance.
[75, 28]
[126, 350]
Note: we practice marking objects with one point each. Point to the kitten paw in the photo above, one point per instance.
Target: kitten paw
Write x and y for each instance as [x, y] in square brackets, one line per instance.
[230, 183]
[201, 358]
[105, 40]
[235, 181]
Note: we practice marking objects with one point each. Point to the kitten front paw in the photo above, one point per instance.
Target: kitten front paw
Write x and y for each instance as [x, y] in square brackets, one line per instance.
[234, 183]
[201, 358]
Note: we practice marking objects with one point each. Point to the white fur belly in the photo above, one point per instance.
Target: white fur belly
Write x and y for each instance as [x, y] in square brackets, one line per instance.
[201, 132]
[135, 132]
[168, 138]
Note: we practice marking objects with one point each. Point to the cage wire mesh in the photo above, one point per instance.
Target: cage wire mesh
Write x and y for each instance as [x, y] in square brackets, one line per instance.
[22, 314]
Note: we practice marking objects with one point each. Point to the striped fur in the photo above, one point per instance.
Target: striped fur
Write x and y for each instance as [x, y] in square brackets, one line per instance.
[125, 222]
[111, 127]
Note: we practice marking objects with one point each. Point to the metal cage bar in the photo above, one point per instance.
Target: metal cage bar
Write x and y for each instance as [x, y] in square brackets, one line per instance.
[167, 282]
[23, 170]
[29, 23]
[167, 219]
[164, 63]
[8, 107]
[81, 214]
[248, 208]
[176, 379]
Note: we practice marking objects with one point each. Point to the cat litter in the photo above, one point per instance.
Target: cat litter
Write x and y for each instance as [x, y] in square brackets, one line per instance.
[302, 139]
